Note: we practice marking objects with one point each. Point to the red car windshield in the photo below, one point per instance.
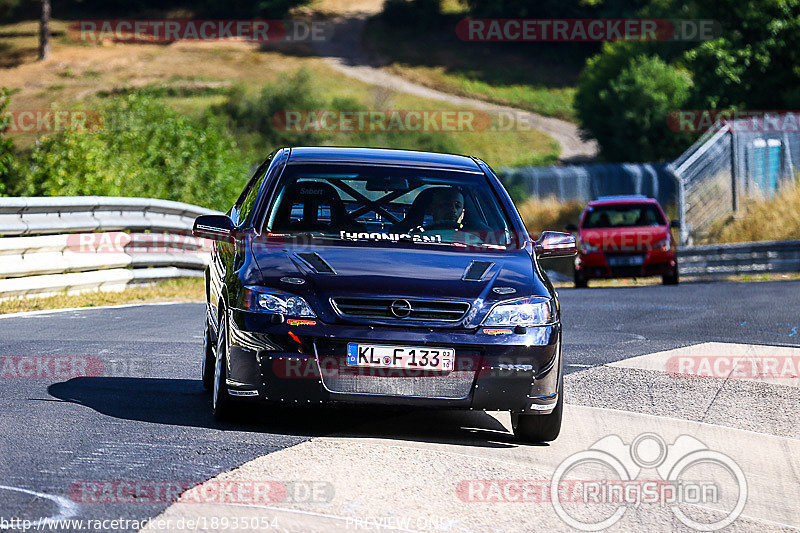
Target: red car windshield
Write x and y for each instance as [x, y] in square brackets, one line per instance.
[623, 216]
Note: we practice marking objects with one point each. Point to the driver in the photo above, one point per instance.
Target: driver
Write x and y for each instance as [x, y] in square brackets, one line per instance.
[447, 207]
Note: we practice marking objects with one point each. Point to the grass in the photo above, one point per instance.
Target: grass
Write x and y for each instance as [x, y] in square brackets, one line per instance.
[547, 101]
[176, 290]
[532, 76]
[192, 76]
[774, 219]
[542, 214]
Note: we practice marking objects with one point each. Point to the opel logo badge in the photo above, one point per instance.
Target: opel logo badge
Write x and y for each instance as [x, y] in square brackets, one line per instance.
[400, 308]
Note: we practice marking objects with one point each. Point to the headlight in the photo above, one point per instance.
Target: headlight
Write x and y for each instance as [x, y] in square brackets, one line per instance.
[534, 311]
[662, 245]
[589, 248]
[278, 302]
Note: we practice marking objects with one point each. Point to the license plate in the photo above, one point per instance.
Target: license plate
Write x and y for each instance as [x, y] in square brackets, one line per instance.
[629, 260]
[417, 357]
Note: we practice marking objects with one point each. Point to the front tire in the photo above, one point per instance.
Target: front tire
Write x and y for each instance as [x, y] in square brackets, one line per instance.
[671, 278]
[221, 400]
[539, 428]
[580, 281]
[209, 359]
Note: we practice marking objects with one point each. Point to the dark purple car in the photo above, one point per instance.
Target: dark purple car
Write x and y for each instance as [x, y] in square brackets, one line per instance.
[351, 275]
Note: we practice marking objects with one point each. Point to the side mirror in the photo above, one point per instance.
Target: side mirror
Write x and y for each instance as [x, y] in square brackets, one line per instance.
[675, 224]
[555, 244]
[215, 227]
[571, 227]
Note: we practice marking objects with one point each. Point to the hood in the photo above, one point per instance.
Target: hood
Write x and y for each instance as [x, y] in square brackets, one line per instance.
[624, 239]
[333, 270]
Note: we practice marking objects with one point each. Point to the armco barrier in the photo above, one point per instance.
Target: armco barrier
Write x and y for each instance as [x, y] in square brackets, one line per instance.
[55, 244]
[712, 260]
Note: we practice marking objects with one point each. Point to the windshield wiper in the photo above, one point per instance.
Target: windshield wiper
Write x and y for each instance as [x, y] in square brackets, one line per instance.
[315, 235]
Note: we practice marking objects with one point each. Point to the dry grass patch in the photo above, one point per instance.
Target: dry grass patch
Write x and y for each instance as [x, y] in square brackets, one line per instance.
[346, 7]
[542, 214]
[176, 290]
[762, 220]
[77, 76]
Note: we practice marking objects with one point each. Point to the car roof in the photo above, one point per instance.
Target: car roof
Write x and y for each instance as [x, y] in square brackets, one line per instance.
[382, 156]
[623, 199]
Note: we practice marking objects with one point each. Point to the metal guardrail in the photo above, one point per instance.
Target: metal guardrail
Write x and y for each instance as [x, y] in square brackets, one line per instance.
[711, 260]
[55, 244]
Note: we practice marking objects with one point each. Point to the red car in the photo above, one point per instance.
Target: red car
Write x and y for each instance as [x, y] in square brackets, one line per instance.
[625, 237]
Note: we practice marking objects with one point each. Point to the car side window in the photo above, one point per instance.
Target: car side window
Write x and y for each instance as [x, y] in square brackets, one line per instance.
[249, 202]
[244, 204]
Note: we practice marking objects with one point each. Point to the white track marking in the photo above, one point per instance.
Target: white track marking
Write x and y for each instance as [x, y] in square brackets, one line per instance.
[66, 508]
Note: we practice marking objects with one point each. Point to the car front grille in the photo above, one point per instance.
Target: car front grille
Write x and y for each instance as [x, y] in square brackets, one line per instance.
[337, 377]
[401, 309]
[455, 385]
[626, 271]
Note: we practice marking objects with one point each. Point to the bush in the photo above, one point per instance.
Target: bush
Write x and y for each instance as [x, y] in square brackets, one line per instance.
[6, 146]
[144, 149]
[254, 115]
[623, 101]
[418, 14]
[560, 9]
[7, 8]
[252, 118]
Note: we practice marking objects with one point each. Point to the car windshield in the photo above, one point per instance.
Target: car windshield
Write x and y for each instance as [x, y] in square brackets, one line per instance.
[623, 216]
[360, 203]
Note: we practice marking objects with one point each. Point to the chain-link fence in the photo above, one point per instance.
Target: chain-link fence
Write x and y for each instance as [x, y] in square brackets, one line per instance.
[587, 182]
[732, 162]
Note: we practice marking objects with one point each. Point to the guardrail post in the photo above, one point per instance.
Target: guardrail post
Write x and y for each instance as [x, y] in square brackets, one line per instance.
[684, 232]
[734, 180]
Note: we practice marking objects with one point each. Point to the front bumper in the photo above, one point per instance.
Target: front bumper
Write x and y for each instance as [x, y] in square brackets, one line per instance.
[495, 368]
[602, 264]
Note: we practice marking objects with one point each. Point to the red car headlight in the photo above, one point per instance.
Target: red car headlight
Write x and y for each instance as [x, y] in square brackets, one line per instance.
[663, 245]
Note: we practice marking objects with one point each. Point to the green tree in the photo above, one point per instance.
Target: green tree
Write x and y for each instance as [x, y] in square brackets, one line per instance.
[623, 101]
[555, 8]
[754, 64]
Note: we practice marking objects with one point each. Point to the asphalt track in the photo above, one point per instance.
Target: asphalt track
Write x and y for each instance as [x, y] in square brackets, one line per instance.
[147, 419]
